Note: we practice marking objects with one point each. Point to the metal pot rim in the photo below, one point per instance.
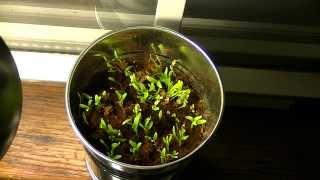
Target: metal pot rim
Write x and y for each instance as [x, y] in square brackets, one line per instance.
[106, 158]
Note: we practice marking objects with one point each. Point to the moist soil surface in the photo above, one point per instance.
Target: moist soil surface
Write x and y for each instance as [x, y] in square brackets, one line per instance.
[118, 76]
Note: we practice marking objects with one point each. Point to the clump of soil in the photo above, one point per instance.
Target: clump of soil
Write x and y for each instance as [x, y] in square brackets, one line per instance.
[143, 112]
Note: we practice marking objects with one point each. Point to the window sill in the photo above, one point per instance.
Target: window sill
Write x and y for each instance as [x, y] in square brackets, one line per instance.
[38, 66]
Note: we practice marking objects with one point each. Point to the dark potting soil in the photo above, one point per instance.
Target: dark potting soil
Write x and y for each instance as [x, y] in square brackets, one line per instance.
[118, 117]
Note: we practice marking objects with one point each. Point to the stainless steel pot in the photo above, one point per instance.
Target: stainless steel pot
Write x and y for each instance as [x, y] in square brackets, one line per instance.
[11, 98]
[194, 61]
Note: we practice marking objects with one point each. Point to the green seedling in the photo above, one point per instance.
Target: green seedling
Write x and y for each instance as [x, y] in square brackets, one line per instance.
[115, 55]
[192, 108]
[154, 82]
[148, 123]
[166, 156]
[177, 91]
[155, 50]
[172, 64]
[113, 134]
[183, 97]
[137, 85]
[104, 96]
[104, 93]
[121, 97]
[155, 106]
[136, 118]
[179, 135]
[165, 77]
[136, 109]
[141, 89]
[152, 87]
[84, 117]
[87, 107]
[112, 79]
[97, 100]
[103, 55]
[174, 115]
[90, 102]
[196, 121]
[151, 79]
[127, 121]
[112, 154]
[153, 139]
[86, 96]
[167, 141]
[135, 146]
[127, 71]
[103, 124]
[160, 114]
[161, 48]
[103, 142]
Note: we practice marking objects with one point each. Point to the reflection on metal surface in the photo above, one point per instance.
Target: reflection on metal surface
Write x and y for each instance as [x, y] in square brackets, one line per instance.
[97, 171]
[90, 169]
